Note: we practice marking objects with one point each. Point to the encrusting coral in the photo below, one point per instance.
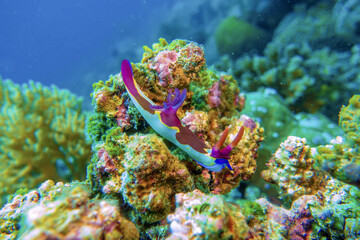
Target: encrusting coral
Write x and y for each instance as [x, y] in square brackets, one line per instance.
[21, 201]
[201, 216]
[291, 168]
[335, 205]
[42, 136]
[76, 216]
[341, 158]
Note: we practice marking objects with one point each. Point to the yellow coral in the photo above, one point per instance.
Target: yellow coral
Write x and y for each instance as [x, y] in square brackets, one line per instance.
[42, 132]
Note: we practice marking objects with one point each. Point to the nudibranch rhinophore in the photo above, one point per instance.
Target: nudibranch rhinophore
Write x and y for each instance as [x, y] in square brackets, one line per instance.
[164, 121]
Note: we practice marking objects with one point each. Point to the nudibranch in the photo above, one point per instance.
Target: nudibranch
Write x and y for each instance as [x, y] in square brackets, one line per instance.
[164, 121]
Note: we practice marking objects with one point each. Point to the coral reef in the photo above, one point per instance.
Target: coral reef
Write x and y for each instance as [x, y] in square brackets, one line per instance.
[142, 186]
[268, 108]
[147, 171]
[308, 80]
[291, 168]
[21, 201]
[334, 206]
[76, 216]
[341, 158]
[201, 216]
[235, 36]
[42, 136]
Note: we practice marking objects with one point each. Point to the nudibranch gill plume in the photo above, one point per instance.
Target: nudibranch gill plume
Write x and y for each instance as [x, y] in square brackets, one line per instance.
[164, 121]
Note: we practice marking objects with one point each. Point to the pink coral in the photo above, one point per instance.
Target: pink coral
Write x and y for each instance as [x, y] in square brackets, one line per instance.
[302, 225]
[163, 64]
[248, 122]
[122, 117]
[295, 223]
[197, 122]
[107, 164]
[201, 216]
[214, 95]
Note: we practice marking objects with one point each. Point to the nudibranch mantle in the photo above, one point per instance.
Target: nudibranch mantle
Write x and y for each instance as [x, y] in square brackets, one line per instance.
[164, 121]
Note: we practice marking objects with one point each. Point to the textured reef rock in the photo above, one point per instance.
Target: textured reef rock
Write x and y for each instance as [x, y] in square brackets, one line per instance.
[63, 211]
[77, 217]
[142, 168]
[201, 216]
[41, 137]
[292, 170]
[335, 205]
[341, 158]
[19, 203]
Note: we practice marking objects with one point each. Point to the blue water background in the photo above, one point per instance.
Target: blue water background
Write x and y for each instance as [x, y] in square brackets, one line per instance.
[73, 43]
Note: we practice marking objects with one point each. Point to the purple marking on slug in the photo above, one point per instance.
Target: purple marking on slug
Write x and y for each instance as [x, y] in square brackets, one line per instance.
[221, 153]
[127, 76]
[168, 110]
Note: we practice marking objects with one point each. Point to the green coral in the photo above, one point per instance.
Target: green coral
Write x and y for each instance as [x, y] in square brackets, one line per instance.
[341, 158]
[308, 80]
[350, 121]
[42, 136]
[234, 36]
[268, 108]
[338, 215]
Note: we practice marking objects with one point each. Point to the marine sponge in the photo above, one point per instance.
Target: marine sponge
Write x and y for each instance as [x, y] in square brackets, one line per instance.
[42, 136]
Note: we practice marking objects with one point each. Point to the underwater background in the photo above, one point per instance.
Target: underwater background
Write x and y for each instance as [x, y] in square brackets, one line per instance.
[230, 120]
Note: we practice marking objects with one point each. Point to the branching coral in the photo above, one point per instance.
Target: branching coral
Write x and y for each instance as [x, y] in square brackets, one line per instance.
[42, 136]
